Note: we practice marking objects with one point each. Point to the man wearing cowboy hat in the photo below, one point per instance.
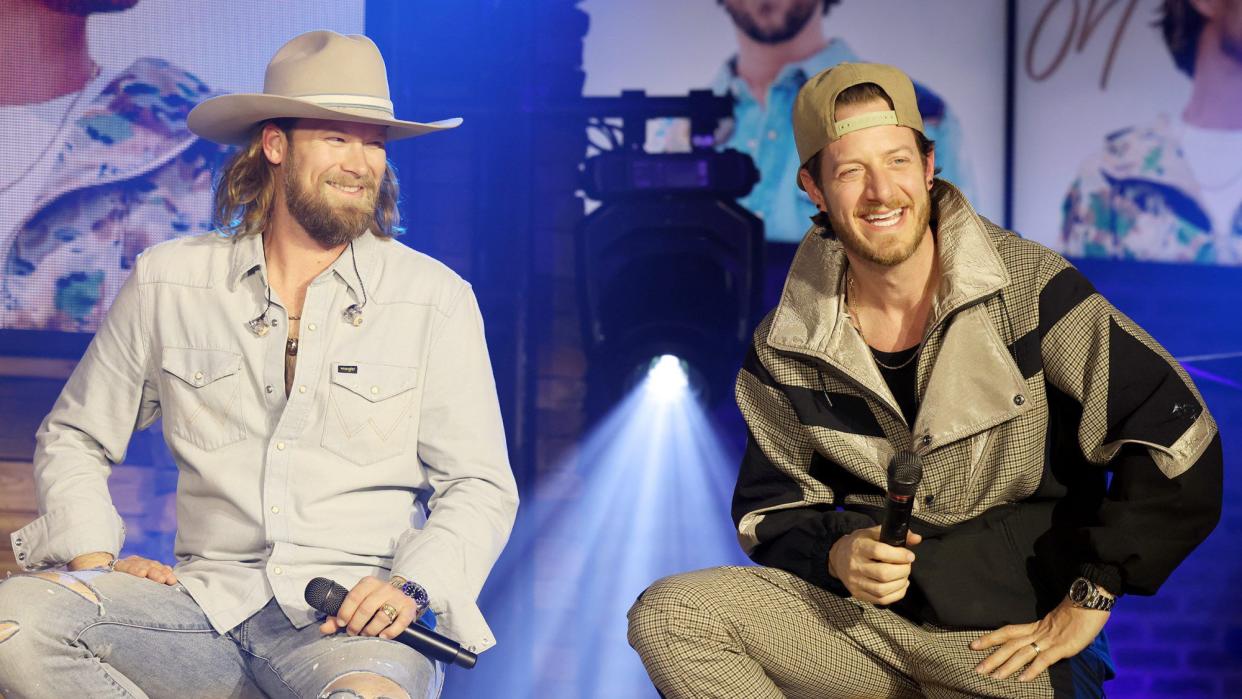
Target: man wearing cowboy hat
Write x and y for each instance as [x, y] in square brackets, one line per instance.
[318, 383]
[1064, 457]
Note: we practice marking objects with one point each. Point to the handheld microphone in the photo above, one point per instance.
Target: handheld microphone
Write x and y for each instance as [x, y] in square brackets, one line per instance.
[904, 473]
[327, 595]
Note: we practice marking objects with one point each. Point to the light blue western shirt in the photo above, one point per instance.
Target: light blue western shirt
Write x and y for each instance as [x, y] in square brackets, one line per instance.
[387, 455]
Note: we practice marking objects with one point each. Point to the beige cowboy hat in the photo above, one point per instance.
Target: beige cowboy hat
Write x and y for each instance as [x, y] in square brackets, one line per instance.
[316, 75]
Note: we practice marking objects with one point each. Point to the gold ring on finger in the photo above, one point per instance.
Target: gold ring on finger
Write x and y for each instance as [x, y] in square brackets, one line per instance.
[389, 611]
[1038, 650]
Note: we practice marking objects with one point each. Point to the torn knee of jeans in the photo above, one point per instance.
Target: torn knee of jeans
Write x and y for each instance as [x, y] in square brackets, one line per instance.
[70, 582]
[8, 629]
[363, 685]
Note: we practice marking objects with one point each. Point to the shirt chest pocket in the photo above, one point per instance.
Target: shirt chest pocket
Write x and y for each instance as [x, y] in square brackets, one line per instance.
[371, 408]
[201, 396]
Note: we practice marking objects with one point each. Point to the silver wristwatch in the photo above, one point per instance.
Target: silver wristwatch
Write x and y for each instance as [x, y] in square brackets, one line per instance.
[1085, 594]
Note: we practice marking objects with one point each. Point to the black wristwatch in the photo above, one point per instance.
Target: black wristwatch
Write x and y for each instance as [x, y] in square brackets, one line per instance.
[1085, 594]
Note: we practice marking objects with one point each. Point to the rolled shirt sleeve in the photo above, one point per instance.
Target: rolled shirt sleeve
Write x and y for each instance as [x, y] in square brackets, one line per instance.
[461, 442]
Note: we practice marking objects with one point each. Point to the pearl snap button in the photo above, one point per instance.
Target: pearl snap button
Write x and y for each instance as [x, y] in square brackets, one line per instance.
[277, 570]
[198, 376]
[280, 446]
[301, 389]
[312, 326]
[375, 389]
[275, 509]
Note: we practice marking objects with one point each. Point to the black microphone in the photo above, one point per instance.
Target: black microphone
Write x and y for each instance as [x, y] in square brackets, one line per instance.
[904, 473]
[327, 595]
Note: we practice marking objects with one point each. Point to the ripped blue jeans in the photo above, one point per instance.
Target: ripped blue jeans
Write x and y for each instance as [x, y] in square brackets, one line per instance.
[95, 633]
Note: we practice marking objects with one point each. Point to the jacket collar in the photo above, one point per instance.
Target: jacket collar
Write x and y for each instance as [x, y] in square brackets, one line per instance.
[811, 318]
[1148, 159]
[133, 125]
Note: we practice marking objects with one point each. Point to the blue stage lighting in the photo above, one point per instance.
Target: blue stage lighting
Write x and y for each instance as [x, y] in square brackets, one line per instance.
[645, 494]
[667, 379]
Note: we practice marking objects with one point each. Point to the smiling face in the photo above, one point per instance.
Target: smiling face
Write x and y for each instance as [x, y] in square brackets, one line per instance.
[874, 186]
[331, 178]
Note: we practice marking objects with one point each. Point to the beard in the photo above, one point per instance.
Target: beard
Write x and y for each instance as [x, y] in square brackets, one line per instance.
[328, 224]
[896, 251]
[82, 8]
[791, 20]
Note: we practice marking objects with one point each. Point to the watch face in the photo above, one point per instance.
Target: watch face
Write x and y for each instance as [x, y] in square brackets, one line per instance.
[1080, 590]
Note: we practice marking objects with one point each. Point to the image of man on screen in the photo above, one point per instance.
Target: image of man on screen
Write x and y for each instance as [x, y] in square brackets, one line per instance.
[1171, 190]
[98, 166]
[780, 43]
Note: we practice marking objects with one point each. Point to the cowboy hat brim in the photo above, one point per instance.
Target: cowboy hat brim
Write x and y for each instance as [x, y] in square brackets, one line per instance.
[229, 119]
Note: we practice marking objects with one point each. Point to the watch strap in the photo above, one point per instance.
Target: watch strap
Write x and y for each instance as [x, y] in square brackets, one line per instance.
[414, 591]
[1095, 597]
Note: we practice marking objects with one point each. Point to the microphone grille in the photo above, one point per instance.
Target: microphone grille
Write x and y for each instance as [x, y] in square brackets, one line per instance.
[325, 595]
[906, 470]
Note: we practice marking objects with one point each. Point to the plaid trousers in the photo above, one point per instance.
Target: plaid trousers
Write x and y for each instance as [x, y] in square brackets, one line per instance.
[757, 633]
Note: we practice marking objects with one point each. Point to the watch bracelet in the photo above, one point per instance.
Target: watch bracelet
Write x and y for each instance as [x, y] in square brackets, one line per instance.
[413, 590]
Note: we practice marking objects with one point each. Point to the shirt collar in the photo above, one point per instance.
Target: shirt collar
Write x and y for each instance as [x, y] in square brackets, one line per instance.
[248, 258]
[728, 82]
[366, 253]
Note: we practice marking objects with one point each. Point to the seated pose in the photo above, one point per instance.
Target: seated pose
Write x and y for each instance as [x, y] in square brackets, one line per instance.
[318, 382]
[1066, 459]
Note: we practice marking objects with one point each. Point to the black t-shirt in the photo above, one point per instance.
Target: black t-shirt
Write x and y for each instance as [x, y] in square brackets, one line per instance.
[901, 381]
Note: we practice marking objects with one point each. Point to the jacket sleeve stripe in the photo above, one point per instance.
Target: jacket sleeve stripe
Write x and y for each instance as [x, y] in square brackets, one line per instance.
[1061, 295]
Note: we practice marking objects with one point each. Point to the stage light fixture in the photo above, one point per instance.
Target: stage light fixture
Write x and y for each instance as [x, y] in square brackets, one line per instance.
[670, 263]
[667, 378]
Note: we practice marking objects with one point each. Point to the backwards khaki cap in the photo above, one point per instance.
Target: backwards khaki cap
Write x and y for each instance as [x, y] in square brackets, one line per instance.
[813, 123]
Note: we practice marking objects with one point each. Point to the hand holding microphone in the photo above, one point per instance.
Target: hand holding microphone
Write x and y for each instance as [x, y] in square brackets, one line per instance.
[327, 596]
[874, 563]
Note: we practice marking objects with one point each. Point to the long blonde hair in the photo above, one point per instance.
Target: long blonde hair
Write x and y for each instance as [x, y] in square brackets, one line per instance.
[246, 188]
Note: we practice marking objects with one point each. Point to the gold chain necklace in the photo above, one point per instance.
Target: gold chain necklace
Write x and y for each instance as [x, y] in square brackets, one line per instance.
[857, 323]
[64, 120]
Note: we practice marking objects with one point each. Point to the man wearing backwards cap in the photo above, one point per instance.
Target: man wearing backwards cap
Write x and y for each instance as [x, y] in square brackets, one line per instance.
[317, 381]
[910, 323]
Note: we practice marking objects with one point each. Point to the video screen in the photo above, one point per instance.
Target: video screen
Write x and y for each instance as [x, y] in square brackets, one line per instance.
[98, 163]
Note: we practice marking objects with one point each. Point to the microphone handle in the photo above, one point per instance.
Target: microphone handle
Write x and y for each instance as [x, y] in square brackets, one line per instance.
[433, 645]
[897, 509]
